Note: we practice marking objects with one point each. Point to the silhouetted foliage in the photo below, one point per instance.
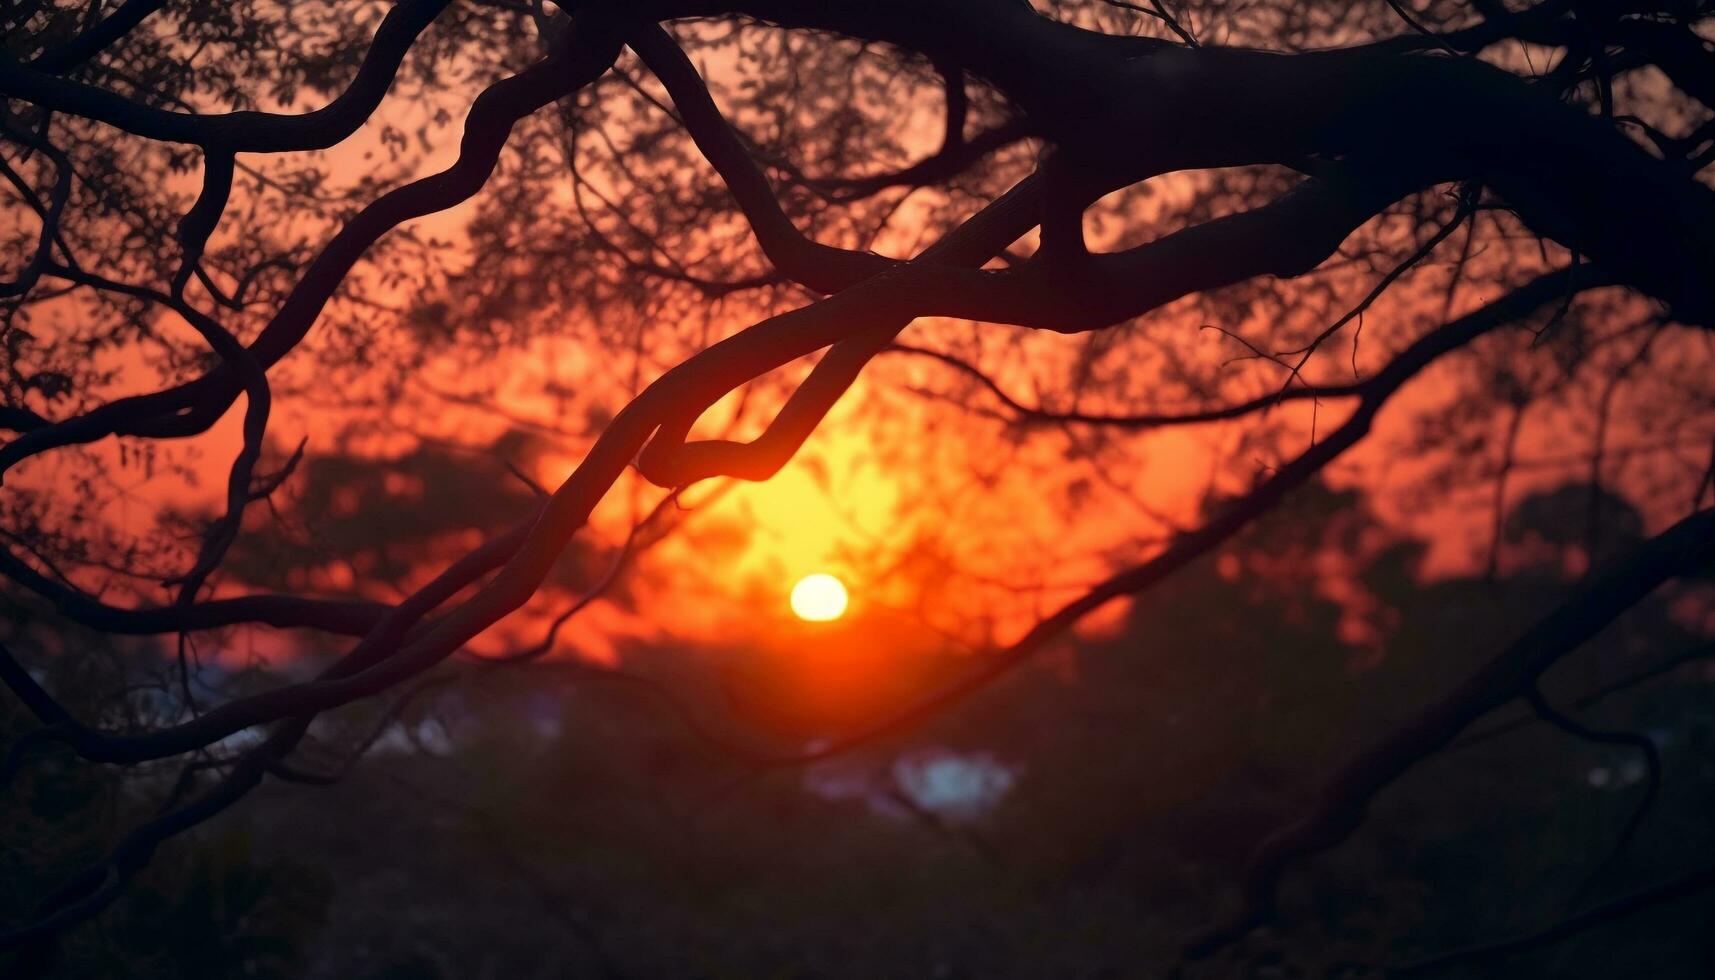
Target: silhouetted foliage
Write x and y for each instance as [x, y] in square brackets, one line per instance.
[1283, 536]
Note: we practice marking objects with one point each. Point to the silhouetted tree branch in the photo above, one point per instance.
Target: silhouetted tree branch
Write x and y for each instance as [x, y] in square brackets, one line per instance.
[1372, 128]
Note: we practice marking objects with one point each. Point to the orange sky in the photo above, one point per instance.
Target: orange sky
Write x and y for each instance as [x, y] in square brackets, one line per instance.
[980, 563]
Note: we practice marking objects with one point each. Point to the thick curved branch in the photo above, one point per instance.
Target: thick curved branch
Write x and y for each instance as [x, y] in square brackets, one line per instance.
[1285, 238]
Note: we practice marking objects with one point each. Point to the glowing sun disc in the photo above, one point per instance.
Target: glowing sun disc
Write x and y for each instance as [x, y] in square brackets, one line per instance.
[819, 598]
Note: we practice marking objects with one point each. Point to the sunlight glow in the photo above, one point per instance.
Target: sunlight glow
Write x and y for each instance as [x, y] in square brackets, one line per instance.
[819, 598]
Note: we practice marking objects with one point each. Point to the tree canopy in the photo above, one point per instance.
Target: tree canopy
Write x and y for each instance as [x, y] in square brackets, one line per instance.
[366, 350]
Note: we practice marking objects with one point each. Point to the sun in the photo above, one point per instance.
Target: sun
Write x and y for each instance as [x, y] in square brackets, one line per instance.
[819, 598]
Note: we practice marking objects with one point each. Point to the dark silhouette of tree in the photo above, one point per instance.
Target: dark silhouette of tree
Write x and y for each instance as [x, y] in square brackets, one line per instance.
[1523, 189]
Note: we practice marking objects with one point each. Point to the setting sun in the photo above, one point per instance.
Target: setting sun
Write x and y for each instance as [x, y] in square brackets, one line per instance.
[819, 598]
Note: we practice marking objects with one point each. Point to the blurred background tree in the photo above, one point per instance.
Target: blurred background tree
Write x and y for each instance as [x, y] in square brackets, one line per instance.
[529, 245]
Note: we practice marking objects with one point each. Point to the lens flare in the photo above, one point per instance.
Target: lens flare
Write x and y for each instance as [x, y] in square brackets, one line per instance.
[819, 598]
